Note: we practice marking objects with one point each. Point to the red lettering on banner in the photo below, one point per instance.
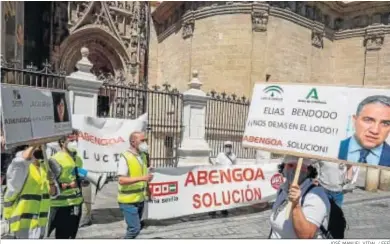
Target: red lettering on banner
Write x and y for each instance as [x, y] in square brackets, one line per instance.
[248, 174]
[100, 141]
[190, 179]
[236, 175]
[261, 140]
[235, 199]
[204, 177]
[207, 200]
[196, 201]
[216, 203]
[213, 177]
[226, 201]
[225, 176]
[210, 200]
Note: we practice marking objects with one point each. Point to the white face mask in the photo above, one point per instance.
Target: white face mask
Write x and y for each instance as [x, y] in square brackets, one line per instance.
[228, 150]
[72, 146]
[143, 147]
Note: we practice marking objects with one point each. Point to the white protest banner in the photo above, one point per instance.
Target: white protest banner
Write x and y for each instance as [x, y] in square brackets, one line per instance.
[191, 190]
[343, 123]
[31, 114]
[102, 140]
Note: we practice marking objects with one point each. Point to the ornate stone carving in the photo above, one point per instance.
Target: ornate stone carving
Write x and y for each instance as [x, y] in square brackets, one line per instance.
[259, 21]
[373, 41]
[188, 29]
[317, 38]
[124, 21]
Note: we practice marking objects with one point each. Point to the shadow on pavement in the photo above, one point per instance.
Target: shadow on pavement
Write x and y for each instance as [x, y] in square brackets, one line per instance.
[106, 215]
[205, 216]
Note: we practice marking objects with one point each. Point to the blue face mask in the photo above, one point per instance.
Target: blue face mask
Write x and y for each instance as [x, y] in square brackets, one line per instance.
[290, 174]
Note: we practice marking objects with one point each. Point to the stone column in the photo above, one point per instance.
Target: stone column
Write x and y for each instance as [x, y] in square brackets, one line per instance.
[194, 148]
[83, 89]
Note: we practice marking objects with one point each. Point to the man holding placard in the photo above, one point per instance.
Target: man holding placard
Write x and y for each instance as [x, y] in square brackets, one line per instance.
[372, 128]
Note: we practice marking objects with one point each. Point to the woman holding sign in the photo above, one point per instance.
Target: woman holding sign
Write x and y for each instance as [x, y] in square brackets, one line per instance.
[308, 216]
[27, 199]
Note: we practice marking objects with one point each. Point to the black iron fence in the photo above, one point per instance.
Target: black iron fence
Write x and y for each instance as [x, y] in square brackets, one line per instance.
[225, 121]
[225, 114]
[164, 108]
[12, 72]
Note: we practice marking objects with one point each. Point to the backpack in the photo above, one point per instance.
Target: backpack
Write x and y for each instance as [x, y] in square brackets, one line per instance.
[337, 223]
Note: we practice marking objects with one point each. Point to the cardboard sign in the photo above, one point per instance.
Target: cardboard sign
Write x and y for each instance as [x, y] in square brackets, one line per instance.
[340, 123]
[33, 114]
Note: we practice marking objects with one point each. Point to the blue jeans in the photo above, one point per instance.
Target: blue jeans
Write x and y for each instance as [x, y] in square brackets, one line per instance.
[337, 196]
[133, 214]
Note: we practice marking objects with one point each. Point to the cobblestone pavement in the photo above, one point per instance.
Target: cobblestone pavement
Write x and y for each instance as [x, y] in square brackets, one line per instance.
[368, 216]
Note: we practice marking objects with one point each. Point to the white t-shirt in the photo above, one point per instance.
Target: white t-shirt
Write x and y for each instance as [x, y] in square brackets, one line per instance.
[316, 209]
[222, 159]
[123, 169]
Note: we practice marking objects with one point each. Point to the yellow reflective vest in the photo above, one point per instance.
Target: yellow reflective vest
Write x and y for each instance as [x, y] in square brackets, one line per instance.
[136, 192]
[67, 197]
[30, 208]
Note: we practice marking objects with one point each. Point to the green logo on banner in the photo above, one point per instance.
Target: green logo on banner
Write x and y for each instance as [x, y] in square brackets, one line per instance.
[312, 94]
[312, 97]
[273, 90]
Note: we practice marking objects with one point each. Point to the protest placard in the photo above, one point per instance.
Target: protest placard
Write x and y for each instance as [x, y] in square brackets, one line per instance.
[102, 140]
[191, 190]
[34, 114]
[326, 122]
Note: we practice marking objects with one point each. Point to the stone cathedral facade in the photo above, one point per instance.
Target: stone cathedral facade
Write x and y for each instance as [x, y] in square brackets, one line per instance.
[236, 44]
[116, 33]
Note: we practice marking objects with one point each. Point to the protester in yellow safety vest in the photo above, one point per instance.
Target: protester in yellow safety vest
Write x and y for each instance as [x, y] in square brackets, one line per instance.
[27, 198]
[133, 178]
[65, 212]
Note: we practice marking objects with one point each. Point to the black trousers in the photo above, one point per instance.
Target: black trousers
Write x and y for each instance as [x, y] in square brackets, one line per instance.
[65, 220]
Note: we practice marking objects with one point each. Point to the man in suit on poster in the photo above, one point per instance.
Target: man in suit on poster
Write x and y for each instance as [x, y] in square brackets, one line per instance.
[372, 128]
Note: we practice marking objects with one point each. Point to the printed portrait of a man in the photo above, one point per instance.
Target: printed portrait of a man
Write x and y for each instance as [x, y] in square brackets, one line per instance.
[372, 129]
[60, 109]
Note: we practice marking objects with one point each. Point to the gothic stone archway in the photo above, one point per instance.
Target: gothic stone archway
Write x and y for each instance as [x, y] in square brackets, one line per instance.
[106, 53]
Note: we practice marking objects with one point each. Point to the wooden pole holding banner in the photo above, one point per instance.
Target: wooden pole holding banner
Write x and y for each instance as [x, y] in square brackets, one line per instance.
[295, 181]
